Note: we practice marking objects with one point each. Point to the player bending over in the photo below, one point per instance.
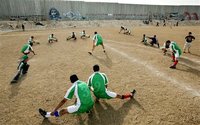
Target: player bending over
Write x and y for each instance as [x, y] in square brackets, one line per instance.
[97, 40]
[98, 83]
[154, 40]
[83, 35]
[176, 52]
[27, 48]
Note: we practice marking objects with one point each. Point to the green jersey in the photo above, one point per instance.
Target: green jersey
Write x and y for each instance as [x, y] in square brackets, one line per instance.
[26, 48]
[98, 81]
[174, 47]
[98, 39]
[82, 94]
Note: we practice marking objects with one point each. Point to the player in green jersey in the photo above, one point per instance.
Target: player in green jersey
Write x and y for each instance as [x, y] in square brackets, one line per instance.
[176, 52]
[84, 101]
[97, 40]
[98, 83]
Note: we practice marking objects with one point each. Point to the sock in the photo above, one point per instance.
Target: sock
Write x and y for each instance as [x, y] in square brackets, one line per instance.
[56, 114]
[175, 63]
[173, 57]
[126, 96]
[48, 114]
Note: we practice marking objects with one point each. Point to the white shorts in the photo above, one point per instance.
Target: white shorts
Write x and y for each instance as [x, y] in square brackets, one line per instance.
[187, 45]
[177, 55]
[111, 94]
[72, 108]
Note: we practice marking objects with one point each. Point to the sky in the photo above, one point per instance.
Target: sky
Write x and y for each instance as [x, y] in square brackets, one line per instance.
[150, 2]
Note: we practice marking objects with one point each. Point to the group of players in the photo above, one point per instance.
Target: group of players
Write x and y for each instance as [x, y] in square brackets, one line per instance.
[98, 82]
[172, 45]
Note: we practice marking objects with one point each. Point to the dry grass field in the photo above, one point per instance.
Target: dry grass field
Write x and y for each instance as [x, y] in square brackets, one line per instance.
[164, 96]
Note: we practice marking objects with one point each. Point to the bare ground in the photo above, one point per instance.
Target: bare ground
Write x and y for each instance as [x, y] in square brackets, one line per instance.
[164, 96]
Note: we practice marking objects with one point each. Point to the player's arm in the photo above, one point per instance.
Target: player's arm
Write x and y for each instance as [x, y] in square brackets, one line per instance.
[59, 105]
[106, 80]
[173, 49]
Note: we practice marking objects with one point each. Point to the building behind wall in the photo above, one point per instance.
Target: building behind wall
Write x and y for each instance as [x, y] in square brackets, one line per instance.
[79, 10]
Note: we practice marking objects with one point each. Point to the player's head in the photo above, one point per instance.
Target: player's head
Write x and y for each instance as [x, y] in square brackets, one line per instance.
[154, 36]
[84, 31]
[73, 78]
[144, 35]
[72, 32]
[95, 32]
[96, 68]
[167, 43]
[32, 37]
[51, 34]
[190, 33]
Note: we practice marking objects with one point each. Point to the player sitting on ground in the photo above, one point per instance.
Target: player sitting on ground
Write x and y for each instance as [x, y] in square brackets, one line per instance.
[127, 32]
[31, 41]
[98, 83]
[84, 101]
[144, 39]
[27, 48]
[83, 35]
[21, 69]
[154, 41]
[52, 38]
[73, 36]
[176, 52]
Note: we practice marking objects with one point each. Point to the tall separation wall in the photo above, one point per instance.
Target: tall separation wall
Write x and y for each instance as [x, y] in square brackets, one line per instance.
[79, 10]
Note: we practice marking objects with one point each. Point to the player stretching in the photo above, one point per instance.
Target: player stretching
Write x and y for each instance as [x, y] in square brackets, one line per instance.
[98, 83]
[52, 38]
[176, 52]
[97, 40]
[84, 101]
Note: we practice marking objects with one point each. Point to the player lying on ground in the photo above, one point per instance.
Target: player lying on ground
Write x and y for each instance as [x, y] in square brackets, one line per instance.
[83, 35]
[97, 40]
[52, 38]
[84, 101]
[21, 69]
[176, 52]
[98, 83]
[73, 36]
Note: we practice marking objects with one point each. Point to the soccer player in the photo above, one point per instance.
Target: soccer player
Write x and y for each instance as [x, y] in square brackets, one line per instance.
[21, 69]
[144, 39]
[31, 41]
[154, 40]
[84, 101]
[83, 35]
[23, 27]
[188, 42]
[27, 48]
[127, 32]
[73, 36]
[122, 29]
[52, 38]
[176, 52]
[97, 40]
[98, 83]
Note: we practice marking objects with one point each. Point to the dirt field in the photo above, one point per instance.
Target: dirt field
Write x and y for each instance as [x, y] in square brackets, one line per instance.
[164, 96]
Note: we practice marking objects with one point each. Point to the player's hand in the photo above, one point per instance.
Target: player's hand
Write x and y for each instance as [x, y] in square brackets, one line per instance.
[174, 52]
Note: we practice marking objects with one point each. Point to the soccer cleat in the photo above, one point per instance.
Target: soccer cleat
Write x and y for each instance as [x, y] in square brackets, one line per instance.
[90, 53]
[133, 93]
[42, 112]
[172, 67]
[13, 81]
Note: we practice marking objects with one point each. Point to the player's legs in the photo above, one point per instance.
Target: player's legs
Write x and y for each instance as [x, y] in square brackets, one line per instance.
[176, 57]
[186, 45]
[189, 45]
[103, 47]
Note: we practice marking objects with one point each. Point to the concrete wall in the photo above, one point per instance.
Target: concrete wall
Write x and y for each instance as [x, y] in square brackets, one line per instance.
[78, 10]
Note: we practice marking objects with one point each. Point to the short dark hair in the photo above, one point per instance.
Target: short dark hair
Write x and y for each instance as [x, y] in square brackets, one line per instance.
[190, 32]
[95, 32]
[96, 68]
[73, 78]
[167, 43]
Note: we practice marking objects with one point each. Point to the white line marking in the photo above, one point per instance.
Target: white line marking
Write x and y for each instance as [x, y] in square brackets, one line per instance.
[157, 72]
